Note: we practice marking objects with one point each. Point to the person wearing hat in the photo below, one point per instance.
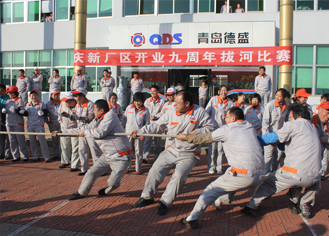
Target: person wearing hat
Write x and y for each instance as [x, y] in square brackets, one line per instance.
[107, 83]
[301, 167]
[79, 80]
[137, 85]
[36, 112]
[263, 85]
[36, 83]
[324, 98]
[168, 105]
[23, 85]
[320, 121]
[84, 114]
[55, 81]
[203, 91]
[136, 116]
[15, 123]
[69, 145]
[301, 97]
[4, 140]
[53, 124]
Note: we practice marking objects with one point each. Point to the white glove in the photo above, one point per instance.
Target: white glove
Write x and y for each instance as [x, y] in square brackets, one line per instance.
[3, 110]
[21, 112]
[40, 113]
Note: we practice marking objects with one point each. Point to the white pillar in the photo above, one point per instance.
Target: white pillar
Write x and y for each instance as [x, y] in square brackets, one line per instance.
[191, 6]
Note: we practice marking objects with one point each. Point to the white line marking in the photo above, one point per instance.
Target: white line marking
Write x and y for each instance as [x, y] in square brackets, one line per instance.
[308, 224]
[36, 220]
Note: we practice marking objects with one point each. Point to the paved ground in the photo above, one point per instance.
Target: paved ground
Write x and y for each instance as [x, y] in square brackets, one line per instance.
[29, 191]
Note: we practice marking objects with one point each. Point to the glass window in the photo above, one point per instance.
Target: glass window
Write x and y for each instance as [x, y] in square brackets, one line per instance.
[45, 58]
[31, 59]
[5, 12]
[14, 76]
[61, 11]
[322, 55]
[182, 6]
[304, 78]
[18, 12]
[305, 4]
[131, 7]
[255, 5]
[206, 5]
[166, 6]
[105, 8]
[70, 72]
[323, 5]
[146, 6]
[59, 58]
[46, 74]
[322, 84]
[91, 8]
[18, 59]
[33, 11]
[70, 57]
[5, 59]
[29, 72]
[91, 78]
[292, 80]
[304, 55]
[5, 77]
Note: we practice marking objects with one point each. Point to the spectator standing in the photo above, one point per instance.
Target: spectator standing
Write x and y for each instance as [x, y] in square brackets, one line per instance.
[263, 85]
[36, 82]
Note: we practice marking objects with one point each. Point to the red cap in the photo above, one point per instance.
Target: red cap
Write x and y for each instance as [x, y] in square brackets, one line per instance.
[34, 91]
[302, 93]
[12, 89]
[325, 106]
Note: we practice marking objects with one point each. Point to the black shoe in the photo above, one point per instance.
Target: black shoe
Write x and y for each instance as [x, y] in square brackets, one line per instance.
[82, 173]
[74, 170]
[217, 207]
[63, 166]
[248, 211]
[293, 207]
[193, 223]
[162, 209]
[26, 159]
[323, 177]
[14, 160]
[305, 211]
[101, 192]
[75, 196]
[143, 202]
[145, 161]
[8, 158]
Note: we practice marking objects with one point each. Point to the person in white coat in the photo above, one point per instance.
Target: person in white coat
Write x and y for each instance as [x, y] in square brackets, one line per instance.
[254, 113]
[114, 106]
[55, 81]
[36, 83]
[263, 85]
[23, 85]
[107, 83]
[79, 80]
[203, 91]
[137, 85]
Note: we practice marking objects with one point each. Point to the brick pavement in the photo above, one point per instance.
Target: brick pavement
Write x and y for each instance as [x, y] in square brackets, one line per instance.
[29, 190]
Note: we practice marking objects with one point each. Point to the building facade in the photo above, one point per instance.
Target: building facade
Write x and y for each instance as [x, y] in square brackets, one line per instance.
[41, 34]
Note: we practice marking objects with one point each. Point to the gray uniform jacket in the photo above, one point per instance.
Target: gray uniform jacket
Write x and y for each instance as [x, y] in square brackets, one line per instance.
[254, 116]
[55, 82]
[84, 113]
[263, 83]
[203, 92]
[136, 85]
[134, 120]
[100, 129]
[168, 105]
[195, 119]
[217, 109]
[36, 82]
[241, 146]
[54, 110]
[274, 117]
[78, 82]
[12, 118]
[65, 122]
[116, 110]
[302, 147]
[22, 84]
[323, 130]
[33, 118]
[154, 107]
[107, 84]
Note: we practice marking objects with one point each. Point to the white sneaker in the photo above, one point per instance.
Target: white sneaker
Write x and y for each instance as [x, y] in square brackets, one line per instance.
[211, 171]
[219, 172]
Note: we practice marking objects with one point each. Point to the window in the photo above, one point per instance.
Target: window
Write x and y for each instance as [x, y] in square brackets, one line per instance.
[18, 12]
[31, 59]
[5, 77]
[70, 72]
[5, 59]
[91, 78]
[182, 6]
[91, 8]
[204, 5]
[304, 55]
[146, 7]
[322, 55]
[174, 6]
[323, 5]
[46, 74]
[14, 76]
[45, 58]
[304, 78]
[255, 5]
[166, 6]
[70, 57]
[18, 59]
[322, 83]
[59, 58]
[305, 4]
[61, 11]
[33, 11]
[136, 7]
[105, 8]
[5, 12]
[131, 7]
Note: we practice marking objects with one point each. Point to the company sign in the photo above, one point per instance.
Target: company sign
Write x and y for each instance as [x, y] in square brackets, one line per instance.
[138, 39]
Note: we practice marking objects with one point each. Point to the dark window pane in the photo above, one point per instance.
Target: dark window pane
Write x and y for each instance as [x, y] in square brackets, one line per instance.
[182, 6]
[255, 5]
[70, 72]
[46, 74]
[18, 12]
[165, 6]
[304, 78]
[323, 5]
[31, 59]
[91, 78]
[5, 12]
[322, 82]
[5, 59]
[305, 4]
[70, 57]
[59, 57]
[18, 59]
[105, 8]
[45, 58]
[33, 11]
[131, 7]
[147, 7]
[5, 77]
[15, 76]
[206, 5]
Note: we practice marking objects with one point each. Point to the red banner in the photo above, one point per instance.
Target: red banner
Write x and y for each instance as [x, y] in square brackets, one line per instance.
[185, 57]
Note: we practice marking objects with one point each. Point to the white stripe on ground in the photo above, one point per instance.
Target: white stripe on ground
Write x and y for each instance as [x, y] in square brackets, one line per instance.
[308, 224]
[36, 220]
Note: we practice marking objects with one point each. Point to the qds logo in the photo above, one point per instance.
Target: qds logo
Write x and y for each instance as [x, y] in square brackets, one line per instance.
[166, 39]
[138, 39]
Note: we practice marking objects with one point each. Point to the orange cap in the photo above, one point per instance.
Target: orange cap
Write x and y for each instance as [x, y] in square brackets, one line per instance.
[12, 89]
[325, 105]
[302, 93]
[34, 91]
